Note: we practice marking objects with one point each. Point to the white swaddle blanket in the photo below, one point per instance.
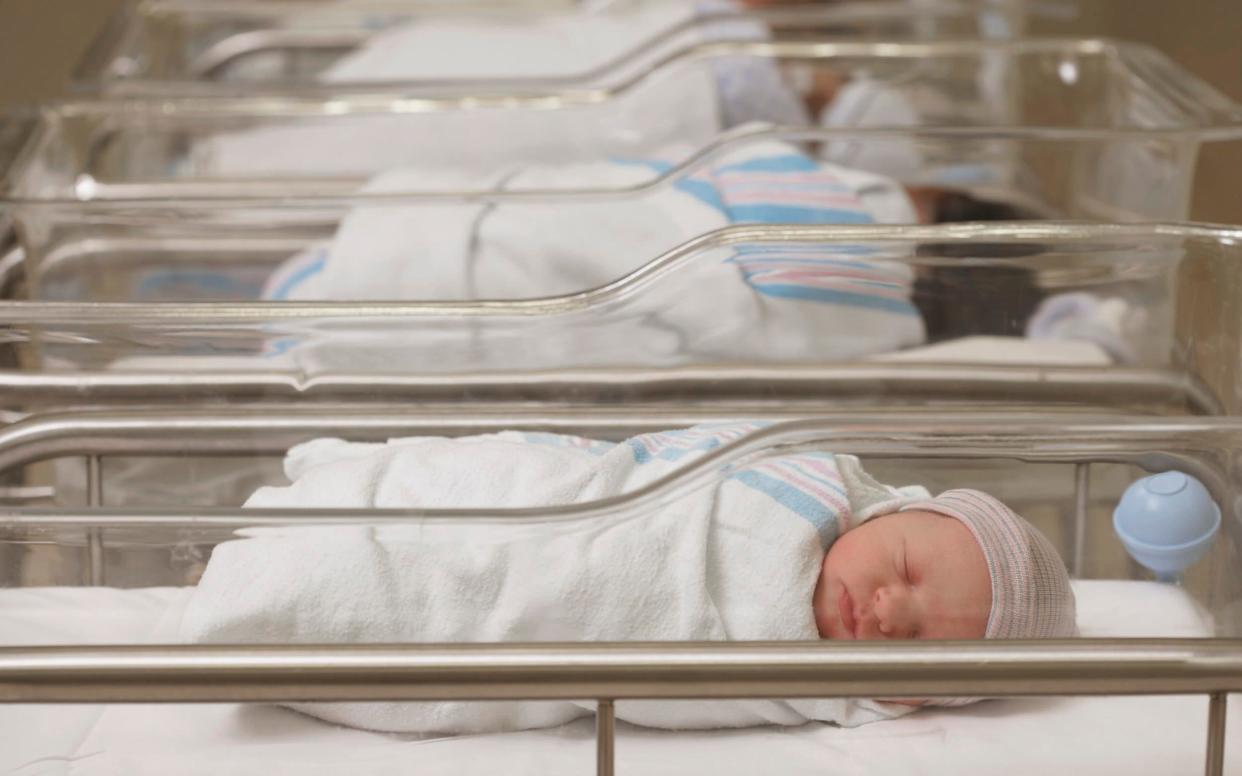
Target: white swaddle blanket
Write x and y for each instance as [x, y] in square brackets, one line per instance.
[734, 560]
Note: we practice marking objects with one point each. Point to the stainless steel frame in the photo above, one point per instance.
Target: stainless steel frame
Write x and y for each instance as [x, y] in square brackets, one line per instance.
[1153, 444]
[1175, 105]
[680, 392]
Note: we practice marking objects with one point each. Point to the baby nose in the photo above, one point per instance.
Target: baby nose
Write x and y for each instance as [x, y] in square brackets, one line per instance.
[894, 612]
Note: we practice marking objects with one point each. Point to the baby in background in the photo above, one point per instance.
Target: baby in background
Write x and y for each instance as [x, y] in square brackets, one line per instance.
[789, 546]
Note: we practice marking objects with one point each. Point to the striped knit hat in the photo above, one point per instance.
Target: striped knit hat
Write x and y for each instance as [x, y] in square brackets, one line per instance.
[1031, 595]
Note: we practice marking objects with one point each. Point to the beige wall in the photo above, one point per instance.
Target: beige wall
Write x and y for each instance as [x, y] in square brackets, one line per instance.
[1202, 35]
[41, 39]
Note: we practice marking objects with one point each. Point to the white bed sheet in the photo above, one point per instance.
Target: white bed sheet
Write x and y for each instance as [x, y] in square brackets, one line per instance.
[1038, 736]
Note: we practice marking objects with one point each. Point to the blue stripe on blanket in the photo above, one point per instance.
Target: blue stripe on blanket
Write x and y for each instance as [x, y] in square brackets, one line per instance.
[702, 190]
[675, 445]
[716, 194]
[644, 451]
[793, 214]
[821, 516]
[299, 277]
[833, 296]
[819, 274]
[705, 192]
[781, 163]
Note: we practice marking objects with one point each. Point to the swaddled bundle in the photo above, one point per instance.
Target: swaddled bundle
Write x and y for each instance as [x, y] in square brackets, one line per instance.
[737, 559]
[759, 302]
[513, 249]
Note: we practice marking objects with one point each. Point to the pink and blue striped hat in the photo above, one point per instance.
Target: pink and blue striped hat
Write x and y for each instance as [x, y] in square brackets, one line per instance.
[1031, 594]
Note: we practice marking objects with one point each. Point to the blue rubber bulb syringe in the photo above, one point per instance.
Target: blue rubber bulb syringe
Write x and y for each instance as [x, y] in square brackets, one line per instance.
[1167, 522]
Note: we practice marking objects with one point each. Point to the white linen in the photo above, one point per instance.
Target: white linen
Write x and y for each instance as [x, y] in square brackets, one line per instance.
[735, 560]
[1140, 736]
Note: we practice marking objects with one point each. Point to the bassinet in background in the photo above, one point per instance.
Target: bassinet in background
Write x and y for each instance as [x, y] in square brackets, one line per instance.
[177, 47]
[1079, 129]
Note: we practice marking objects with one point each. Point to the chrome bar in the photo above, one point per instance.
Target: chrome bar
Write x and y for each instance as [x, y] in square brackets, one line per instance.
[1153, 444]
[543, 671]
[1082, 487]
[605, 738]
[271, 431]
[1218, 705]
[94, 500]
[774, 384]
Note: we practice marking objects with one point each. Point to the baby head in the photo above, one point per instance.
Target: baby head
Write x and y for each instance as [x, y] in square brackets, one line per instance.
[959, 566]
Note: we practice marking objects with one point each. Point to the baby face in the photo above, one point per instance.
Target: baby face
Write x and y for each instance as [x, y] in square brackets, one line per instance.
[906, 575]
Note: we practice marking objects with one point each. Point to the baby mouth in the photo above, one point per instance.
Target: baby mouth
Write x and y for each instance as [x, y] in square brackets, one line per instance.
[846, 608]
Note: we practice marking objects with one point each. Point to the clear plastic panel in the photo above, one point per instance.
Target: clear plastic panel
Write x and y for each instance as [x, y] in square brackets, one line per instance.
[665, 115]
[1073, 130]
[177, 47]
[560, 228]
[862, 305]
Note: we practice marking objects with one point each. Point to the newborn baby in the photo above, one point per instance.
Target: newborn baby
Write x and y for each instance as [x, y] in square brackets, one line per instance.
[791, 546]
[521, 249]
[959, 566]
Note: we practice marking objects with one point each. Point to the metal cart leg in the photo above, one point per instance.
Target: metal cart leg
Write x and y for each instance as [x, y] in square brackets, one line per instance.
[605, 738]
[1082, 487]
[1217, 705]
[94, 536]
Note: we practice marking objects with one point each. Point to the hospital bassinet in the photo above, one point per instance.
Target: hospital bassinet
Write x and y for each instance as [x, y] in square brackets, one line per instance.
[1074, 129]
[1168, 645]
[659, 343]
[178, 47]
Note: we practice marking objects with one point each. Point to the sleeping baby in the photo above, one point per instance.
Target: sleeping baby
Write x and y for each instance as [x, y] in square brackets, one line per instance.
[516, 248]
[783, 546]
